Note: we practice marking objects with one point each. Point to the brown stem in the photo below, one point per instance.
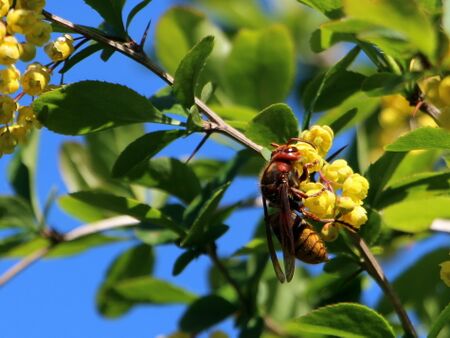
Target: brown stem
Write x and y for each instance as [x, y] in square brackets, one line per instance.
[376, 271]
[212, 253]
[136, 54]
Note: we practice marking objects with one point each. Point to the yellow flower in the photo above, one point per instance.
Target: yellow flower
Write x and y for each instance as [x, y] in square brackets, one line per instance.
[310, 156]
[35, 79]
[28, 52]
[337, 172]
[60, 49]
[430, 87]
[19, 133]
[321, 205]
[9, 80]
[7, 108]
[445, 272]
[356, 187]
[356, 217]
[330, 232]
[21, 21]
[27, 117]
[40, 33]
[320, 136]
[7, 141]
[444, 90]
[10, 50]
[32, 5]
[346, 203]
[5, 5]
[2, 30]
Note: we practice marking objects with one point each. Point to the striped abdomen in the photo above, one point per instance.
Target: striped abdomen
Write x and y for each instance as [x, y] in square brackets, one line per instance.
[309, 247]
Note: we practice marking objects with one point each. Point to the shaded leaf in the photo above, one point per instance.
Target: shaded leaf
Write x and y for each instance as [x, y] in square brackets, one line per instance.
[330, 8]
[137, 153]
[80, 55]
[136, 9]
[15, 212]
[188, 71]
[206, 312]
[183, 261]
[152, 291]
[89, 106]
[383, 84]
[422, 138]
[170, 175]
[343, 320]
[135, 262]
[111, 12]
[277, 123]
[260, 68]
[440, 322]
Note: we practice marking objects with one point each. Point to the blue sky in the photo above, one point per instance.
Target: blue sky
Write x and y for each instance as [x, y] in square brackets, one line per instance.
[56, 298]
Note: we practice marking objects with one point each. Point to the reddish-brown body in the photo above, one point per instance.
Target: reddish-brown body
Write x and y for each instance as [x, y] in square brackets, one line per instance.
[279, 183]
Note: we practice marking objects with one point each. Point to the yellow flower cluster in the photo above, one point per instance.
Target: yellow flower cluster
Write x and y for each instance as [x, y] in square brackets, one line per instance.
[24, 18]
[437, 92]
[337, 195]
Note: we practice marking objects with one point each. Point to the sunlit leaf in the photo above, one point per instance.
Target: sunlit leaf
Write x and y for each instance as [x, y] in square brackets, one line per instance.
[89, 106]
[330, 8]
[342, 320]
[422, 138]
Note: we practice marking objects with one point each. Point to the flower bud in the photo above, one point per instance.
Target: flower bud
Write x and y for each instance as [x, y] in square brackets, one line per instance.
[346, 203]
[19, 133]
[337, 172]
[445, 272]
[356, 217]
[322, 205]
[10, 50]
[9, 80]
[27, 117]
[320, 136]
[444, 90]
[5, 5]
[40, 33]
[7, 141]
[356, 187]
[2, 30]
[32, 5]
[60, 49]
[310, 156]
[21, 21]
[7, 108]
[28, 52]
[35, 79]
[330, 232]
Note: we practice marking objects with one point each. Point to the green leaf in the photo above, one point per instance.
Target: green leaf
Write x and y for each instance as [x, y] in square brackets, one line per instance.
[183, 261]
[260, 68]
[322, 39]
[121, 205]
[136, 9]
[404, 18]
[379, 174]
[178, 30]
[422, 138]
[111, 12]
[80, 56]
[188, 71]
[342, 320]
[370, 231]
[420, 185]
[152, 291]
[82, 244]
[22, 171]
[317, 86]
[330, 8]
[277, 123]
[137, 153]
[15, 212]
[89, 106]
[206, 312]
[204, 221]
[170, 175]
[440, 322]
[416, 214]
[135, 262]
[383, 84]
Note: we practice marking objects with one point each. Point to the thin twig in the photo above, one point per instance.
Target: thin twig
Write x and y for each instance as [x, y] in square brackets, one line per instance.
[81, 231]
[376, 271]
[212, 253]
[23, 264]
[139, 56]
